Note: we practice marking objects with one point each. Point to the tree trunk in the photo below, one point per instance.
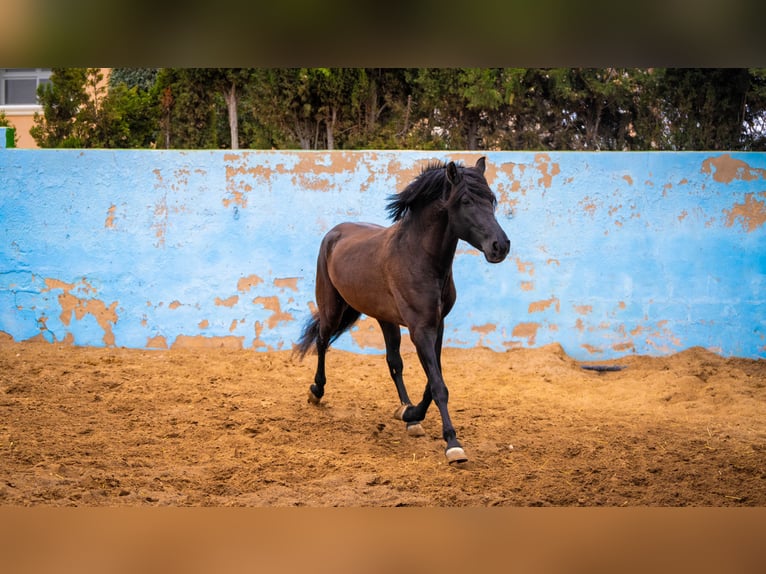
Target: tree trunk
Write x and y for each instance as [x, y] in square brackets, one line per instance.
[372, 106]
[230, 96]
[472, 131]
[331, 129]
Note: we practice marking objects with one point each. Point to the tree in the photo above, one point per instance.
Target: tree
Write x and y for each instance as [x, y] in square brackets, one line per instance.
[598, 107]
[307, 107]
[141, 78]
[755, 111]
[80, 111]
[64, 121]
[187, 110]
[385, 108]
[704, 108]
[229, 83]
[460, 107]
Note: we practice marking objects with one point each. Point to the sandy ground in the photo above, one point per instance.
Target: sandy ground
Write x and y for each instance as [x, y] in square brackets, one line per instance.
[114, 427]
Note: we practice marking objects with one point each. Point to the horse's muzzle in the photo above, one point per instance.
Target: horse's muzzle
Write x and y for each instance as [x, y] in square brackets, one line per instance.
[498, 249]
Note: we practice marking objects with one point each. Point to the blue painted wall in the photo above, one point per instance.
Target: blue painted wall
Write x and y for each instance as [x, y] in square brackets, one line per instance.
[612, 253]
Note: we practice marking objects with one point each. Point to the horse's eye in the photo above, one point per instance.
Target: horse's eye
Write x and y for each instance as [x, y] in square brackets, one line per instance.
[466, 200]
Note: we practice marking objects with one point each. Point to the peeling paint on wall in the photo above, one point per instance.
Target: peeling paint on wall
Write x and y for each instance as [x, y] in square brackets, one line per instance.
[76, 302]
[726, 169]
[751, 213]
[612, 253]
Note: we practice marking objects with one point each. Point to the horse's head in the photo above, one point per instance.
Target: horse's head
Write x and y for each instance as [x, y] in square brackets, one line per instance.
[471, 206]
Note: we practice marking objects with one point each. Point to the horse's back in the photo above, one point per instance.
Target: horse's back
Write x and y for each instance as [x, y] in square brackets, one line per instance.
[353, 236]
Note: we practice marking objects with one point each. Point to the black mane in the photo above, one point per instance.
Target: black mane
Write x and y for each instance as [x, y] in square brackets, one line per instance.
[429, 186]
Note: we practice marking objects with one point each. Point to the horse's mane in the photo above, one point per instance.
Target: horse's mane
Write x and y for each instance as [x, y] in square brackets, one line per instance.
[428, 187]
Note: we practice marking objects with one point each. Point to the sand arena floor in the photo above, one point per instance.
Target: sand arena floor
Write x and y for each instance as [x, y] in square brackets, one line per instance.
[114, 427]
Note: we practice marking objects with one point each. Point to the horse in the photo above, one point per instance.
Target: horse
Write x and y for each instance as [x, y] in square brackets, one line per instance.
[401, 275]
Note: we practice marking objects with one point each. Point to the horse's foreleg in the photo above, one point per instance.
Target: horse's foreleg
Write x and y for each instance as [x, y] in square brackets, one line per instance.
[419, 411]
[428, 344]
[393, 337]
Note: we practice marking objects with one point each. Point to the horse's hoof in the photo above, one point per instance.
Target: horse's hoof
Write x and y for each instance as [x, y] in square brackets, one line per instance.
[399, 412]
[415, 429]
[313, 399]
[456, 455]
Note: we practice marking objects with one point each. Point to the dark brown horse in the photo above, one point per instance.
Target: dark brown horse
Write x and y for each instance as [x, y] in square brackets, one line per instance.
[402, 275]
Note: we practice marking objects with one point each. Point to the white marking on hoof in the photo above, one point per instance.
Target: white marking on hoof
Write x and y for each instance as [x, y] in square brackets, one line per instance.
[456, 454]
[415, 429]
[313, 399]
[399, 412]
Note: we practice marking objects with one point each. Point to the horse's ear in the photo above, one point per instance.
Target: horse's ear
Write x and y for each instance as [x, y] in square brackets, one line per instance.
[480, 164]
[453, 176]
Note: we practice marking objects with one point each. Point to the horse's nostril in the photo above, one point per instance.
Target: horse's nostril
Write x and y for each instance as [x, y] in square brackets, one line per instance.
[501, 247]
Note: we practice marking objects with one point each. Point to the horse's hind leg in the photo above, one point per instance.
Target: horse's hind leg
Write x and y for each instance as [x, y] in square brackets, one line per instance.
[329, 320]
[332, 322]
[393, 337]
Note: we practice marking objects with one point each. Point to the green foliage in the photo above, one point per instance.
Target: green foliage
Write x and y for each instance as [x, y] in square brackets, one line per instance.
[80, 111]
[705, 107]
[141, 78]
[389, 108]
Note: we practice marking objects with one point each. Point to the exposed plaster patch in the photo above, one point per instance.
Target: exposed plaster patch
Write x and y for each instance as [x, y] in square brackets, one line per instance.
[751, 213]
[366, 334]
[583, 309]
[249, 282]
[539, 306]
[624, 347]
[230, 302]
[591, 349]
[287, 283]
[627, 178]
[727, 169]
[78, 307]
[257, 341]
[174, 304]
[542, 164]
[109, 223]
[588, 206]
[51, 284]
[272, 304]
[239, 173]
[315, 172]
[483, 331]
[526, 331]
[527, 285]
[161, 208]
[525, 267]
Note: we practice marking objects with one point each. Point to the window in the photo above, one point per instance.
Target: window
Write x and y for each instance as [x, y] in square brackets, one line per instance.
[18, 86]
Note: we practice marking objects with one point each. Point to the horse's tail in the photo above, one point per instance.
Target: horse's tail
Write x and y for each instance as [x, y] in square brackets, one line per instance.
[310, 334]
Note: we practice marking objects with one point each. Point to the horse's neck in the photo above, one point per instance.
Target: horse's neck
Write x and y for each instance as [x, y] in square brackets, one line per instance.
[428, 236]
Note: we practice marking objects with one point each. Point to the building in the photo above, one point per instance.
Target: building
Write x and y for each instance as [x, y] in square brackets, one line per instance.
[18, 99]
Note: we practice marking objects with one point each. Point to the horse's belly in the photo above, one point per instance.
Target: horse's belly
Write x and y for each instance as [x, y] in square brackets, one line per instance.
[356, 269]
